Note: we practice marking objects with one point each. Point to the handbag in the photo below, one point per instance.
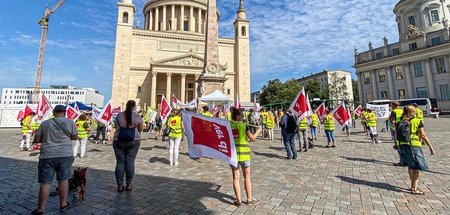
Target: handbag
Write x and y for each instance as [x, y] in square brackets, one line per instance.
[125, 134]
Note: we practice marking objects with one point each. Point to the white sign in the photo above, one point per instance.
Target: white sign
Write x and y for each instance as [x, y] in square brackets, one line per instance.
[382, 111]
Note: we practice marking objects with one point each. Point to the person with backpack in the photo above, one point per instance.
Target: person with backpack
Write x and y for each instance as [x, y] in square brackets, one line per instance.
[127, 140]
[175, 125]
[395, 118]
[410, 135]
[289, 128]
[328, 123]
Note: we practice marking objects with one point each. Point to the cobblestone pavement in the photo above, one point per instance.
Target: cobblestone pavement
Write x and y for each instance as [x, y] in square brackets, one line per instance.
[357, 177]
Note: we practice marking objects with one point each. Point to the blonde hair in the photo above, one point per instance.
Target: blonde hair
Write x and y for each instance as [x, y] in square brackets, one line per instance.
[410, 111]
[270, 113]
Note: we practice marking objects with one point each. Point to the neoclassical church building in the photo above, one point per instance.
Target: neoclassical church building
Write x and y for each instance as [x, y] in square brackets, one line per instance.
[417, 66]
[164, 55]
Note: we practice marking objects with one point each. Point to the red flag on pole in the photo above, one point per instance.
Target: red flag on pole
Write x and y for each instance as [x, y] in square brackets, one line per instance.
[340, 113]
[72, 113]
[105, 115]
[20, 115]
[43, 106]
[75, 106]
[358, 110]
[237, 103]
[209, 137]
[300, 105]
[165, 109]
[320, 111]
[175, 101]
[27, 112]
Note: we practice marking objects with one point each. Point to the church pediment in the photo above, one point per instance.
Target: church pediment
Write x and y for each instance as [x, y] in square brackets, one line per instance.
[189, 60]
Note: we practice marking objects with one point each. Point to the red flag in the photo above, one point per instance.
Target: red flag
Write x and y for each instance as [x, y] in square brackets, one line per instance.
[72, 113]
[116, 110]
[75, 106]
[340, 114]
[27, 112]
[300, 105]
[237, 103]
[358, 110]
[43, 105]
[175, 101]
[209, 137]
[165, 109]
[20, 115]
[106, 115]
[320, 111]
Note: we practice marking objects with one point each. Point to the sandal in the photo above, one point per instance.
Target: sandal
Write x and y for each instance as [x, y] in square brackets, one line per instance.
[62, 209]
[237, 203]
[417, 192]
[36, 212]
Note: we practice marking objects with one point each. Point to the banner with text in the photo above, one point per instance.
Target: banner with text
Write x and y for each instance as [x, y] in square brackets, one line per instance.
[382, 111]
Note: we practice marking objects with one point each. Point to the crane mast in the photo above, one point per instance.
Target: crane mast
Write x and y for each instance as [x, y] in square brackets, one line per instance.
[44, 23]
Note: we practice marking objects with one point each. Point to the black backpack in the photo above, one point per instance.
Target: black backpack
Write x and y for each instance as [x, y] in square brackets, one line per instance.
[403, 131]
[291, 124]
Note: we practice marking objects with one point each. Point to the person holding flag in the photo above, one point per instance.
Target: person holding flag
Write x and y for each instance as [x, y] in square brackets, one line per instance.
[27, 131]
[176, 127]
[241, 133]
[328, 123]
[83, 128]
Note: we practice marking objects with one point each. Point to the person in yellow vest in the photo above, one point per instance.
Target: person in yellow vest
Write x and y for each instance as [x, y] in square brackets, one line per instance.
[395, 118]
[270, 123]
[264, 122]
[364, 120]
[301, 134]
[175, 134]
[280, 114]
[36, 123]
[371, 119]
[410, 146]
[313, 126]
[419, 113]
[241, 133]
[206, 111]
[83, 128]
[353, 119]
[27, 131]
[328, 123]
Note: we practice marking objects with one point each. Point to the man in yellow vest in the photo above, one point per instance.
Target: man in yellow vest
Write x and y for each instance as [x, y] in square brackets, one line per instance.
[328, 123]
[353, 119]
[371, 119]
[27, 131]
[264, 121]
[83, 128]
[301, 134]
[313, 126]
[396, 116]
[206, 111]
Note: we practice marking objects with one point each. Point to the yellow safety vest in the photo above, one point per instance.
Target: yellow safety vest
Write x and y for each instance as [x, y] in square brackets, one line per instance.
[315, 120]
[175, 127]
[82, 133]
[363, 116]
[207, 113]
[303, 125]
[329, 123]
[25, 128]
[270, 123]
[35, 125]
[419, 114]
[372, 120]
[264, 117]
[415, 138]
[353, 116]
[240, 141]
[229, 116]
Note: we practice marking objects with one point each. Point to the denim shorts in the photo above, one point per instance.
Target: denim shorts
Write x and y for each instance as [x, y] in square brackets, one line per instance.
[47, 168]
[242, 164]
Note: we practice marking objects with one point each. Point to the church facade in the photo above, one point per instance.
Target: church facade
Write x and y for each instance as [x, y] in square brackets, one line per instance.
[165, 57]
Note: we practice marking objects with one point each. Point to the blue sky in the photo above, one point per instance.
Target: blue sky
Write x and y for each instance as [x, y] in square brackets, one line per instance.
[289, 38]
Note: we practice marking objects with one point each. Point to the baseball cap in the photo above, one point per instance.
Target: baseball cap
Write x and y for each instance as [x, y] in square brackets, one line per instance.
[60, 108]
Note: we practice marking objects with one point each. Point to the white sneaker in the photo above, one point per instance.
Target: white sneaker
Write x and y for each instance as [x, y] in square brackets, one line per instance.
[176, 163]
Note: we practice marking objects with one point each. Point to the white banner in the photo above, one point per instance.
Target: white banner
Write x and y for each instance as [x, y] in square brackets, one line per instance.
[382, 111]
[209, 137]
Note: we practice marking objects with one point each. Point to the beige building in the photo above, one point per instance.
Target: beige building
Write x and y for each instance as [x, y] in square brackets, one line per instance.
[166, 56]
[417, 66]
[338, 84]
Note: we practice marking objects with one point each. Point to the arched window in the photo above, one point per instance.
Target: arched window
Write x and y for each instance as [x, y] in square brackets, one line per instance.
[243, 31]
[125, 17]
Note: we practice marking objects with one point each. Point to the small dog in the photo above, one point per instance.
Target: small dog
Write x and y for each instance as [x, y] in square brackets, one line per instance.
[78, 183]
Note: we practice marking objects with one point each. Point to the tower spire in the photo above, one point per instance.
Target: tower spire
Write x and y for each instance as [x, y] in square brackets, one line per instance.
[241, 5]
[241, 14]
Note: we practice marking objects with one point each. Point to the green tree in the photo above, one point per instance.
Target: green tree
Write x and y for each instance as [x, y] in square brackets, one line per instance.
[270, 92]
[314, 90]
[355, 90]
[289, 91]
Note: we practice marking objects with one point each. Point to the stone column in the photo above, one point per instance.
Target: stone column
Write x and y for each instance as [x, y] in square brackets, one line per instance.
[199, 20]
[153, 93]
[182, 18]
[156, 19]
[146, 20]
[169, 86]
[183, 88]
[173, 27]
[430, 82]
[409, 87]
[362, 98]
[191, 19]
[151, 20]
[164, 18]
[390, 83]
[374, 84]
[196, 86]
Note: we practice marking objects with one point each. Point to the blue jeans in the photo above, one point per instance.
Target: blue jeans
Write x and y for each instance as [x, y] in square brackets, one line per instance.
[330, 136]
[313, 131]
[125, 156]
[290, 145]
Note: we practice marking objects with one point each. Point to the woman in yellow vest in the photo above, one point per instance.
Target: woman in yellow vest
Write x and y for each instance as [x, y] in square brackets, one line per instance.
[372, 126]
[27, 131]
[270, 123]
[364, 120]
[241, 133]
[175, 134]
[313, 126]
[83, 134]
[301, 134]
[328, 123]
[410, 148]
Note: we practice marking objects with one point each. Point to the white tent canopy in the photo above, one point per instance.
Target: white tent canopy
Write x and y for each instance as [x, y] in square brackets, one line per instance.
[215, 96]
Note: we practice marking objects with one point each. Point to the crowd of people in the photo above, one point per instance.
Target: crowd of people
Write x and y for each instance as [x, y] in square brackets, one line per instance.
[61, 139]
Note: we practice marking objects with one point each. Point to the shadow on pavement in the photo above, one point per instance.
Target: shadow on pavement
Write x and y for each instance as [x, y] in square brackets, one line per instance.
[150, 195]
[269, 155]
[368, 160]
[159, 160]
[379, 185]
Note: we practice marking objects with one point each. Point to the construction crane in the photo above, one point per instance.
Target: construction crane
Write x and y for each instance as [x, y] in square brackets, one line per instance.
[43, 22]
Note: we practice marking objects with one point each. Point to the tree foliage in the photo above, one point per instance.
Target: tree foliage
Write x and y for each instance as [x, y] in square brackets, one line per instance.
[314, 91]
[270, 92]
[355, 90]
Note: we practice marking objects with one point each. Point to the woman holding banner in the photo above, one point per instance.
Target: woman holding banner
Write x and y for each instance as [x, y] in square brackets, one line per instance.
[241, 132]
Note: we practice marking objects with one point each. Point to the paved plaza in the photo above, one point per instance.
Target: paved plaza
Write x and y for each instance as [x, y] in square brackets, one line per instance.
[357, 177]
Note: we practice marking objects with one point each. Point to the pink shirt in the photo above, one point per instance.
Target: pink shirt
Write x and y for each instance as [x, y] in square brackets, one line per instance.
[122, 122]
